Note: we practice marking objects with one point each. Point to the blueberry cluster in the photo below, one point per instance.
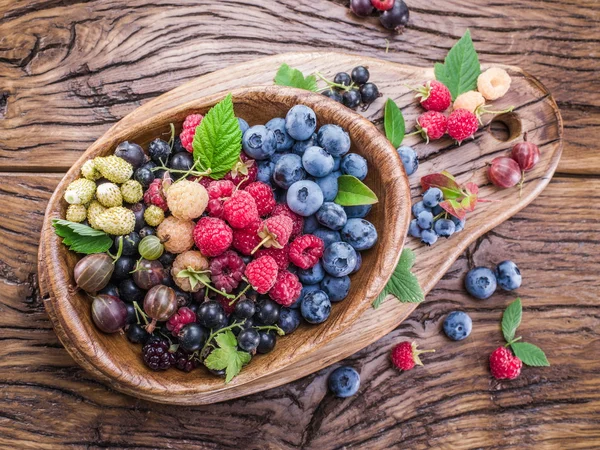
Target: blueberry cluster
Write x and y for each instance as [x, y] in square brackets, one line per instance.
[431, 221]
[482, 282]
[354, 89]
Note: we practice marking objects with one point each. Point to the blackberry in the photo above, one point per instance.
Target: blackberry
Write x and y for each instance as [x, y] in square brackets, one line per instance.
[184, 361]
[159, 151]
[156, 354]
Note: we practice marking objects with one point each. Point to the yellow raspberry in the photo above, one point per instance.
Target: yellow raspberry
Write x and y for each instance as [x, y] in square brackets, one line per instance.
[470, 101]
[89, 171]
[193, 262]
[176, 234]
[154, 215]
[76, 213]
[132, 191]
[117, 221]
[109, 195]
[187, 199]
[93, 212]
[493, 83]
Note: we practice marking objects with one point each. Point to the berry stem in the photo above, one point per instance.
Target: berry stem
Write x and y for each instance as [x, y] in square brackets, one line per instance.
[139, 310]
[219, 331]
[172, 138]
[332, 84]
[239, 295]
[521, 183]
[224, 294]
[264, 241]
[119, 251]
[279, 331]
[508, 344]
[151, 326]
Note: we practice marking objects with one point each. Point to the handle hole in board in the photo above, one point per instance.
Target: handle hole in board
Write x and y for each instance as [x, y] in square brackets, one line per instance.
[506, 127]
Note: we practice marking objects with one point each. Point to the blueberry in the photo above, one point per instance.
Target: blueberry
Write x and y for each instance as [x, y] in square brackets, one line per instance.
[310, 224]
[333, 94]
[428, 237]
[409, 158]
[418, 208]
[333, 139]
[437, 210]
[280, 195]
[329, 185]
[344, 382]
[458, 325]
[414, 229]
[327, 236]
[358, 263]
[300, 146]
[459, 223]
[289, 320]
[425, 220]
[304, 197]
[288, 170]
[355, 165]
[315, 307]
[332, 216]
[305, 290]
[181, 161]
[336, 288]
[339, 259]
[359, 233]
[317, 161]
[300, 122]
[508, 275]
[248, 340]
[342, 78]
[360, 75]
[480, 282]
[277, 126]
[265, 171]
[132, 153]
[243, 124]
[312, 275]
[268, 339]
[351, 98]
[267, 312]
[275, 157]
[144, 176]
[368, 93]
[259, 142]
[337, 162]
[432, 197]
[360, 211]
[159, 151]
[444, 228]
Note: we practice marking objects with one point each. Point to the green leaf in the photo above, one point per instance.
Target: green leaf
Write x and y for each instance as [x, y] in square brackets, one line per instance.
[511, 319]
[226, 339]
[393, 122]
[81, 238]
[530, 354]
[218, 359]
[218, 140]
[443, 181]
[287, 76]
[353, 192]
[461, 67]
[403, 284]
[226, 356]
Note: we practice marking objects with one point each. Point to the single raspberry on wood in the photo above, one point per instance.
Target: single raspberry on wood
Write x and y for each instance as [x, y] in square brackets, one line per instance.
[240, 210]
[154, 195]
[434, 96]
[306, 250]
[504, 365]
[432, 125]
[405, 355]
[226, 271]
[283, 209]
[462, 124]
[275, 232]
[181, 318]
[287, 288]
[212, 236]
[261, 273]
[243, 172]
[281, 255]
[263, 196]
[246, 239]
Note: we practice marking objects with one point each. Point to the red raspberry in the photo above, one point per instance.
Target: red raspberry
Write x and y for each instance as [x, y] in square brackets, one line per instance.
[286, 289]
[154, 195]
[281, 255]
[212, 236]
[218, 191]
[262, 273]
[181, 318]
[226, 271]
[243, 173]
[246, 239]
[283, 209]
[192, 121]
[306, 250]
[432, 125]
[462, 124]
[225, 303]
[504, 365]
[275, 232]
[240, 210]
[187, 137]
[263, 196]
[383, 5]
[434, 96]
[405, 355]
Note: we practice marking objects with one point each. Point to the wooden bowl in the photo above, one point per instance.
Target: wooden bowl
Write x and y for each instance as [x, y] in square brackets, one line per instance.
[114, 359]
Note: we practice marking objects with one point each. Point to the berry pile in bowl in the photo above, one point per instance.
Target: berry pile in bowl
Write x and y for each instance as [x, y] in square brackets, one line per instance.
[229, 236]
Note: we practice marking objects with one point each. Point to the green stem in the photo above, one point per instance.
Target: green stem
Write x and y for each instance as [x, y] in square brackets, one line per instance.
[172, 139]
[239, 295]
[142, 313]
[224, 294]
[332, 84]
[279, 331]
[513, 341]
[221, 330]
[119, 251]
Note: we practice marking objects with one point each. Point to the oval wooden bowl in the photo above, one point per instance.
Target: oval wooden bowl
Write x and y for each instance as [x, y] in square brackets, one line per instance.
[114, 359]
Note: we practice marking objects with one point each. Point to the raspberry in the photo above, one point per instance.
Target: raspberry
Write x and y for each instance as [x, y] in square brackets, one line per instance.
[246, 239]
[181, 318]
[186, 199]
[504, 365]
[225, 303]
[432, 125]
[434, 96]
[262, 274]
[240, 210]
[280, 255]
[243, 172]
[462, 124]
[192, 121]
[176, 234]
[405, 355]
[218, 191]
[156, 354]
[226, 271]
[263, 196]
[471, 101]
[154, 195]
[275, 232]
[185, 361]
[286, 289]
[212, 236]
[382, 5]
[283, 209]
[191, 260]
[493, 83]
[187, 137]
[306, 250]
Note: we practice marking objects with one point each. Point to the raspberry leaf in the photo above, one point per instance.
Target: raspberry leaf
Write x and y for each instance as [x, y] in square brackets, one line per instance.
[511, 319]
[353, 192]
[217, 143]
[81, 238]
[288, 76]
[393, 122]
[403, 284]
[461, 67]
[530, 354]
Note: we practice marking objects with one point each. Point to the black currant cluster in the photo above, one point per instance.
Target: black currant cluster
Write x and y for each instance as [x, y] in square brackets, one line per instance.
[393, 14]
[354, 89]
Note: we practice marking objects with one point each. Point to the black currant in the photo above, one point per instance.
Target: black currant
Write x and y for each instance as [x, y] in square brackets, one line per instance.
[159, 151]
[267, 341]
[351, 98]
[147, 231]
[167, 259]
[144, 176]
[137, 334]
[177, 146]
[360, 75]
[342, 78]
[267, 312]
[368, 93]
[192, 337]
[248, 340]
[244, 309]
[132, 153]
[130, 243]
[110, 289]
[130, 292]
[395, 18]
[138, 210]
[211, 315]
[123, 266]
[333, 95]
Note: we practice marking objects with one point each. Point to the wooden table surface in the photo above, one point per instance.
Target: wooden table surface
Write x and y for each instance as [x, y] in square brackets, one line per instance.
[70, 69]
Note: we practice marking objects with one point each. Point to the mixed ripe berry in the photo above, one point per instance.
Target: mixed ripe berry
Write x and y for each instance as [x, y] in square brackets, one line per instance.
[354, 89]
[393, 14]
[256, 253]
[431, 221]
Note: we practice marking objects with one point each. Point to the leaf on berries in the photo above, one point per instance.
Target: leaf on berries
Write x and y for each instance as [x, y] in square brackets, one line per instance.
[445, 182]
[353, 192]
[454, 208]
[511, 319]
[81, 238]
[461, 67]
[288, 76]
[227, 356]
[194, 276]
[403, 284]
[217, 143]
[530, 354]
[393, 122]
